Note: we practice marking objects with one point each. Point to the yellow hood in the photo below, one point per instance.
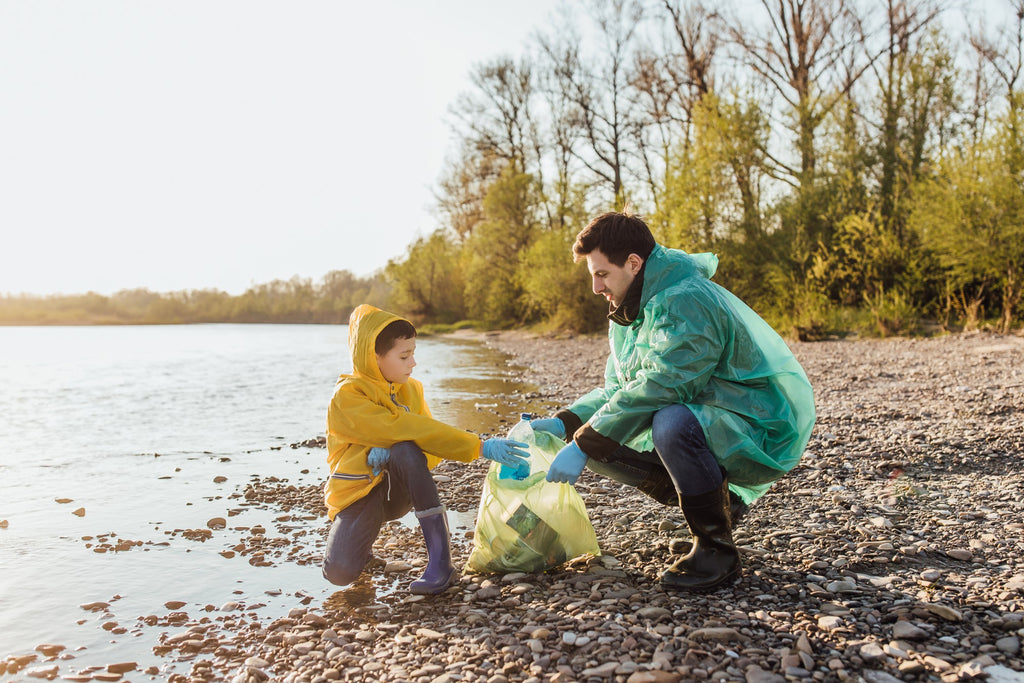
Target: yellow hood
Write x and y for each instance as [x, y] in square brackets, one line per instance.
[365, 323]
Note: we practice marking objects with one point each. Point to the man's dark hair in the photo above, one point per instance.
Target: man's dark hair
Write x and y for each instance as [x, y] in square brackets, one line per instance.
[392, 332]
[616, 235]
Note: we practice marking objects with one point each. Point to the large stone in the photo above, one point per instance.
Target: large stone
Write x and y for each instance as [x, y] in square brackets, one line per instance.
[905, 630]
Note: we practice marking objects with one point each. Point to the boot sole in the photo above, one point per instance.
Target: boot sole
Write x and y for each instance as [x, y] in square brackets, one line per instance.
[728, 580]
[424, 590]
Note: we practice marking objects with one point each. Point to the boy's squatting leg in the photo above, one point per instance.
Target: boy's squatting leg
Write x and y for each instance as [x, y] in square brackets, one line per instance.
[408, 485]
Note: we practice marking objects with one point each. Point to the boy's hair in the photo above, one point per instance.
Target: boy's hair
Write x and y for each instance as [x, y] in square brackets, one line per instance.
[392, 332]
[616, 235]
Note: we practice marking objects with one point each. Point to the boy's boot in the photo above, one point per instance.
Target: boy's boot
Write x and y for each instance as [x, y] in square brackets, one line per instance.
[440, 570]
[714, 559]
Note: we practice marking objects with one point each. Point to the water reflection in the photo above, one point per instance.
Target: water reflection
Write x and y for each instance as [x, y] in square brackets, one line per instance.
[356, 597]
[481, 392]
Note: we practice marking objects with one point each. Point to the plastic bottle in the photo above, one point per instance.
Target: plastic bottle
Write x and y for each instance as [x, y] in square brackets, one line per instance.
[521, 472]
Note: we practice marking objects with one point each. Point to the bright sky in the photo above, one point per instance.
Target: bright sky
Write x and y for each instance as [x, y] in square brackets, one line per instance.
[189, 144]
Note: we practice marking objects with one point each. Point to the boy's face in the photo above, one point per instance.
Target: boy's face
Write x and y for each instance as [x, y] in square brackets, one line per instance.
[396, 365]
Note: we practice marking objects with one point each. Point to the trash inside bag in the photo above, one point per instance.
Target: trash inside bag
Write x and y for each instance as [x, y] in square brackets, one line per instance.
[529, 525]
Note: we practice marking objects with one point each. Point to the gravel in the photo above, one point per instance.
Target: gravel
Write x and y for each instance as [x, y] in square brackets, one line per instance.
[891, 553]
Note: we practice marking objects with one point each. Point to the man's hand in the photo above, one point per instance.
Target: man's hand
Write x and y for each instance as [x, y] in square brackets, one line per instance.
[551, 425]
[377, 458]
[568, 464]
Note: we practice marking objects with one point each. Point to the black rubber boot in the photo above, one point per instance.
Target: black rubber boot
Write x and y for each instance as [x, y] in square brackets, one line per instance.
[658, 485]
[714, 559]
[440, 571]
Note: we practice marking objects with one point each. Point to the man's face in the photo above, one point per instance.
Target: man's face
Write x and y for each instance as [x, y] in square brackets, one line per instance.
[609, 280]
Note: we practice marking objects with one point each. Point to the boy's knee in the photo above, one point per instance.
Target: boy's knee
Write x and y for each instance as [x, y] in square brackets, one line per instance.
[341, 573]
[406, 453]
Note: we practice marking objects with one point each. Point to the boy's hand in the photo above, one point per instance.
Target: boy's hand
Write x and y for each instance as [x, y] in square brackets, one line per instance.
[568, 464]
[377, 458]
[551, 425]
[506, 452]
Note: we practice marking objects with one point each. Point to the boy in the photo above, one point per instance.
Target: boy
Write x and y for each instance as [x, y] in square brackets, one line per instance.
[382, 443]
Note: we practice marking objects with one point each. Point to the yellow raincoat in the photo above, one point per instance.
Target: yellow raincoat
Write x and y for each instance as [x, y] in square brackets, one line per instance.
[367, 411]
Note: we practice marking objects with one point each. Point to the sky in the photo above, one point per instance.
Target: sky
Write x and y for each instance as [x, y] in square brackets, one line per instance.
[218, 144]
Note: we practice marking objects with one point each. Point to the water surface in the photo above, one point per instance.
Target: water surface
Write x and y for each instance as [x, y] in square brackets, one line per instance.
[151, 430]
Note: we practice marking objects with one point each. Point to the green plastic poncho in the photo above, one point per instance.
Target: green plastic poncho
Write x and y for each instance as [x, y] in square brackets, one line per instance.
[697, 344]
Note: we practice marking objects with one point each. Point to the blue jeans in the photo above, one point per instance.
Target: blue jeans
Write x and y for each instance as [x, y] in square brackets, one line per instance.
[408, 485]
[680, 452]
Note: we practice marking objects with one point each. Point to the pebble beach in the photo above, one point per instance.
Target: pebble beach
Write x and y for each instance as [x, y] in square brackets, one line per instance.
[893, 552]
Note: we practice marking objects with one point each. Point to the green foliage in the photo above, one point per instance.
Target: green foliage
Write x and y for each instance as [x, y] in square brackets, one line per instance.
[893, 313]
[558, 290]
[428, 284]
[492, 288]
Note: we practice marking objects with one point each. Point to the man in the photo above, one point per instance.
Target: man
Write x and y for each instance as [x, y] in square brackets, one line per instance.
[702, 400]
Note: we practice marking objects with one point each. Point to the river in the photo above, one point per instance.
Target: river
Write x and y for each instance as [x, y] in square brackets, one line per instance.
[115, 439]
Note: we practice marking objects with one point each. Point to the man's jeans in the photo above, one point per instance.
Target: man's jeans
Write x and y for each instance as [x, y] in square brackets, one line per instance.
[681, 451]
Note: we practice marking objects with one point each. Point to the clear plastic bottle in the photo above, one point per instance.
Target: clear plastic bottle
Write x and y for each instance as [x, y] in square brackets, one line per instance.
[523, 471]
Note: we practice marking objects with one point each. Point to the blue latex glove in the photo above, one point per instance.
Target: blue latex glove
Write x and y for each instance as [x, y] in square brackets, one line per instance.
[551, 425]
[507, 452]
[568, 465]
[377, 458]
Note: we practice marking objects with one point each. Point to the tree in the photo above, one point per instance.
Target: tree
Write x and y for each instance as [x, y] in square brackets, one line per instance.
[428, 283]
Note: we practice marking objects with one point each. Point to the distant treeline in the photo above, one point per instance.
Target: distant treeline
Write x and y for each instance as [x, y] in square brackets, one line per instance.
[854, 163]
[298, 300]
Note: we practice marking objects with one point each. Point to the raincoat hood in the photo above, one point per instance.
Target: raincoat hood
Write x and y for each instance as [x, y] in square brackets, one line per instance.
[364, 325]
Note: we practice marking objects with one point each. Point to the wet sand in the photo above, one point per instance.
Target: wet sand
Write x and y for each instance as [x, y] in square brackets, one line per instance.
[892, 552]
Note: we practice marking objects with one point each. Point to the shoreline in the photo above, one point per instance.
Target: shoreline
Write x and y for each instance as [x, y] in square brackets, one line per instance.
[892, 552]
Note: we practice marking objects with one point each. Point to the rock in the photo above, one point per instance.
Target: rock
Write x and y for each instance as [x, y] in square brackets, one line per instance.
[717, 634]
[80, 512]
[829, 623]
[1003, 674]
[429, 634]
[397, 567]
[756, 674]
[947, 613]
[961, 554]
[217, 523]
[174, 604]
[603, 671]
[874, 676]
[653, 613]
[841, 587]
[47, 672]
[871, 652]
[50, 650]
[905, 630]
[219, 479]
[64, 501]
[122, 667]
[1009, 645]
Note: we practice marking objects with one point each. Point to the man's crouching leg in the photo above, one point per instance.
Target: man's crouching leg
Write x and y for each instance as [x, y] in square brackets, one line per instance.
[713, 558]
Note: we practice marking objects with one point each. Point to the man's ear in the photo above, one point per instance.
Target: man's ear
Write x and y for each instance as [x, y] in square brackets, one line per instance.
[635, 263]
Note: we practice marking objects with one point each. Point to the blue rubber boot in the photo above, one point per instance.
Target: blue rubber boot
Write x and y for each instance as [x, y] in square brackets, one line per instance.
[440, 571]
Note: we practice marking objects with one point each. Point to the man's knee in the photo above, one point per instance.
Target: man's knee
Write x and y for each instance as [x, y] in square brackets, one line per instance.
[672, 423]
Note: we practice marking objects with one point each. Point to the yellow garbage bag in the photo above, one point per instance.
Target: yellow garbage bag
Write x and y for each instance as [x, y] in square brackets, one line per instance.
[530, 525]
